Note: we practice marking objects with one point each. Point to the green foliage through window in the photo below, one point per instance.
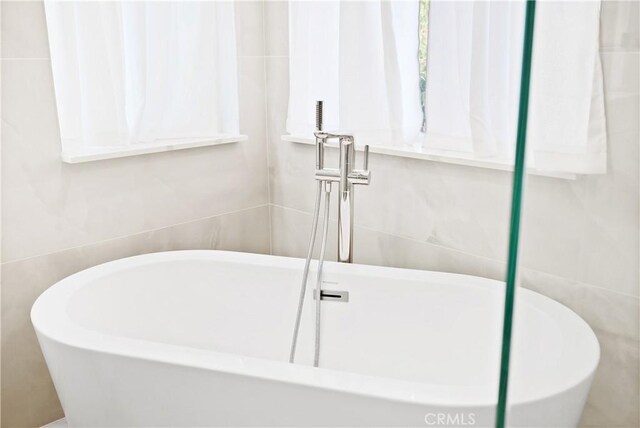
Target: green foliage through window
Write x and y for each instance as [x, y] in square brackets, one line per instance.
[423, 34]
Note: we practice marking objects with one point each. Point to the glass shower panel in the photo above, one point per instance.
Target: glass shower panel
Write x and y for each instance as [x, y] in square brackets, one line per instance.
[516, 208]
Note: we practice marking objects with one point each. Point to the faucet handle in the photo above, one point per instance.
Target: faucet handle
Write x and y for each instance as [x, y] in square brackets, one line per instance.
[361, 176]
[366, 157]
[319, 108]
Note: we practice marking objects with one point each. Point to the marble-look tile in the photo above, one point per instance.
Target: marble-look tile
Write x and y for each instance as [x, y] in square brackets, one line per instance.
[586, 231]
[24, 30]
[620, 25]
[292, 228]
[606, 311]
[613, 400]
[462, 208]
[28, 397]
[250, 27]
[252, 102]
[622, 114]
[49, 206]
[277, 27]
[277, 70]
[614, 396]
[621, 70]
[622, 111]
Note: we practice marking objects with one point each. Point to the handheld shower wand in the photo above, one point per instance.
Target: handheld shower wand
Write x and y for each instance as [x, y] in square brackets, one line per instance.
[314, 228]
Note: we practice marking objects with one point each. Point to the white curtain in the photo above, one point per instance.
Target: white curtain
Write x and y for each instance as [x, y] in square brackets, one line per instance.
[361, 59]
[473, 76]
[142, 72]
[566, 112]
[473, 82]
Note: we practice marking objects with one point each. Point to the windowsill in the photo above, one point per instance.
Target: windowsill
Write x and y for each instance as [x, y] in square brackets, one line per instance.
[102, 153]
[445, 157]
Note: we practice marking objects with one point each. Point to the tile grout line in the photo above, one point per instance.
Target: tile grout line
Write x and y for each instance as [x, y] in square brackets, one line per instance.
[103, 241]
[370, 229]
[266, 121]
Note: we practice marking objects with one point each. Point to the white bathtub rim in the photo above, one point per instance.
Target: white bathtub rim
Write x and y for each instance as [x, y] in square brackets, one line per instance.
[59, 327]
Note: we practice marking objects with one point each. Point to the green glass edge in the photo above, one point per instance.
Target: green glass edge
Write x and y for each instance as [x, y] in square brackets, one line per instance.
[516, 205]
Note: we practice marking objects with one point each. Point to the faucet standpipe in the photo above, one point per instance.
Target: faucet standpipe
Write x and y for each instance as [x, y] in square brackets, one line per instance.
[346, 176]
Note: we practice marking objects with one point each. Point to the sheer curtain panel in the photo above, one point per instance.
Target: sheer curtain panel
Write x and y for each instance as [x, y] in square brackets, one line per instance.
[473, 81]
[128, 73]
[361, 59]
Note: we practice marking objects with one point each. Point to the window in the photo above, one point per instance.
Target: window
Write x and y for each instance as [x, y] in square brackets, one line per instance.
[458, 94]
[130, 75]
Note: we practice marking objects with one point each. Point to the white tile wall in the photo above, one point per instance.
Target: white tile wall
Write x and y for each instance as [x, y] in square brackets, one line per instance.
[276, 15]
[24, 30]
[619, 25]
[250, 28]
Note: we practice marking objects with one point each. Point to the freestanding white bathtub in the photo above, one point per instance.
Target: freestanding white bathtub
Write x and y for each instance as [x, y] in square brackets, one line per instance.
[201, 338]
